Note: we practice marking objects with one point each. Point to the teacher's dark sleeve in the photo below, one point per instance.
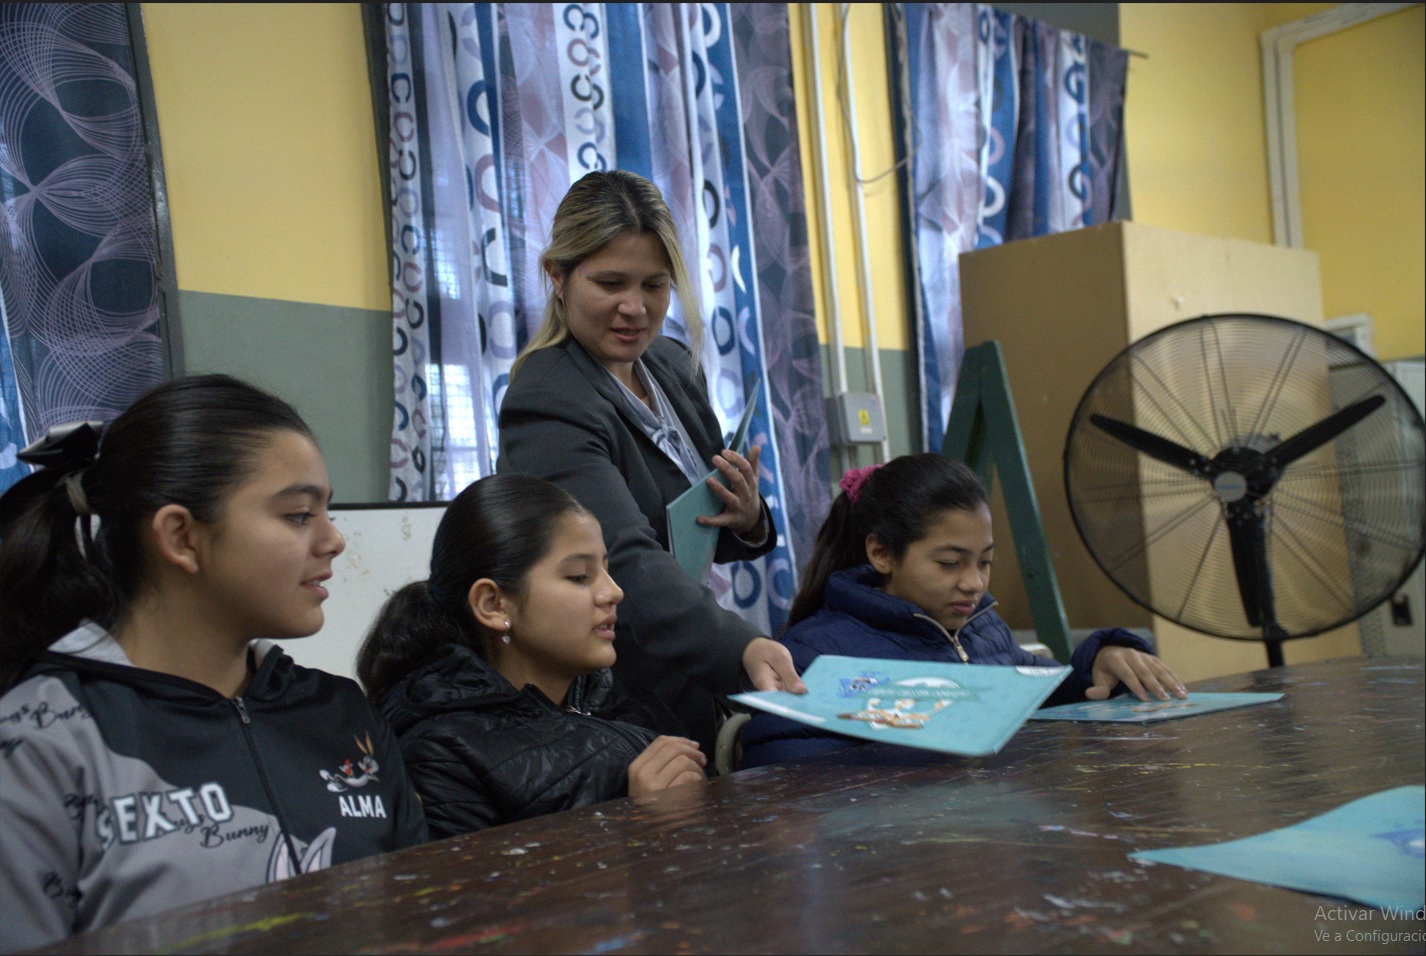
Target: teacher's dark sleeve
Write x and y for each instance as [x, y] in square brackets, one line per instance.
[553, 427]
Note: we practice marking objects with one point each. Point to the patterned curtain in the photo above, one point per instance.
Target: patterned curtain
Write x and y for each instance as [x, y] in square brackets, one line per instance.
[1015, 130]
[495, 110]
[12, 423]
[79, 268]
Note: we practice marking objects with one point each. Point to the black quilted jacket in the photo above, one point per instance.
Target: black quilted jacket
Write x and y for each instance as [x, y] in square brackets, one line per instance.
[482, 753]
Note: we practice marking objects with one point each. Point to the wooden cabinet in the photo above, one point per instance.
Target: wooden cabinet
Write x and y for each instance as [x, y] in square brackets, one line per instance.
[1061, 307]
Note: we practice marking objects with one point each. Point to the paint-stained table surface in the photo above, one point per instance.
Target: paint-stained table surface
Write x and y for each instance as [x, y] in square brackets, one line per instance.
[886, 849]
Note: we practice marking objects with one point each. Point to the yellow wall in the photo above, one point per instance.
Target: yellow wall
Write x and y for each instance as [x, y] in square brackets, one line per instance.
[265, 118]
[1360, 98]
[1195, 131]
[876, 156]
[1276, 14]
[1193, 119]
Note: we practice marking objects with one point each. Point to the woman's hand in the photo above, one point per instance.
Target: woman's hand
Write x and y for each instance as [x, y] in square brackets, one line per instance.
[770, 667]
[742, 505]
[1144, 674]
[667, 762]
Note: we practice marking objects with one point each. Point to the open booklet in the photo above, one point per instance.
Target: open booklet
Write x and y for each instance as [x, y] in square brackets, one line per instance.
[1368, 850]
[693, 544]
[1130, 709]
[966, 709]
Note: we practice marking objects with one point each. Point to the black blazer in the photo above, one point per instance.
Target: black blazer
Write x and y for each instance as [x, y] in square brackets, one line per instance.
[564, 418]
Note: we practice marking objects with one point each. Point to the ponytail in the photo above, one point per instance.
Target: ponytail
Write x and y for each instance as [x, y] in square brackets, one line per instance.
[187, 442]
[896, 504]
[496, 529]
[410, 628]
[837, 547]
[48, 582]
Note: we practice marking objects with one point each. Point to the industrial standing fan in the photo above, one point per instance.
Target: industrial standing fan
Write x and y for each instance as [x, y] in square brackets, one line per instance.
[1249, 477]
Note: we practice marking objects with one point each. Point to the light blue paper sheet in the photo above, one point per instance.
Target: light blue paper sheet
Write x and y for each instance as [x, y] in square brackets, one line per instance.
[693, 544]
[1369, 850]
[1131, 710]
[967, 709]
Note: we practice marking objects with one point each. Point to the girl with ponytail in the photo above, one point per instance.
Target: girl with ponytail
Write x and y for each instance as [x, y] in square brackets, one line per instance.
[901, 570]
[492, 672]
[156, 748]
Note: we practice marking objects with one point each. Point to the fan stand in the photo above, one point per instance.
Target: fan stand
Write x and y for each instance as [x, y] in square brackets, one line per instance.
[1250, 557]
[1273, 636]
[984, 433]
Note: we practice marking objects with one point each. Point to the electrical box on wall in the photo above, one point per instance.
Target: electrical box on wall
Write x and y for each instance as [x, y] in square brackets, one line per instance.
[856, 419]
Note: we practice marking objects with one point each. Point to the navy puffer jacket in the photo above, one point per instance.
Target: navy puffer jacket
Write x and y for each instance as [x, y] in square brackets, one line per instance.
[858, 619]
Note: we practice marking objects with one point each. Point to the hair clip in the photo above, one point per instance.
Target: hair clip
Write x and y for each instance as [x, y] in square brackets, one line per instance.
[853, 480]
[65, 447]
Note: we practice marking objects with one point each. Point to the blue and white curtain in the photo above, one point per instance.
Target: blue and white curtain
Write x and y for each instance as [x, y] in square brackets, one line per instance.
[12, 422]
[495, 110]
[79, 266]
[1016, 131]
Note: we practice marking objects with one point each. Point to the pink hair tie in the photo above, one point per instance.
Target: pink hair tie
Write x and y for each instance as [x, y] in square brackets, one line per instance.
[853, 480]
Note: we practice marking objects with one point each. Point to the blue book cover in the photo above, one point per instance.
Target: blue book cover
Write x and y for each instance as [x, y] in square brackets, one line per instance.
[692, 544]
[966, 709]
[1129, 709]
[1369, 850]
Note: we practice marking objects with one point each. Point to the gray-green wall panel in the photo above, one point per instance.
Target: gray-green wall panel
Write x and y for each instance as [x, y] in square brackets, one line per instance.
[332, 363]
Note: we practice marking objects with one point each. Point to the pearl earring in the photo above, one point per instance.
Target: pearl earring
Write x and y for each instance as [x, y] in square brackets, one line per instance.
[505, 638]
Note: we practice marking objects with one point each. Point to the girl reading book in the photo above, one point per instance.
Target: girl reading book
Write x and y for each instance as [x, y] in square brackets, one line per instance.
[901, 569]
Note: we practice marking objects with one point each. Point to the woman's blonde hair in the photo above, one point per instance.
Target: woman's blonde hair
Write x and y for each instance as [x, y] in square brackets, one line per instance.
[598, 209]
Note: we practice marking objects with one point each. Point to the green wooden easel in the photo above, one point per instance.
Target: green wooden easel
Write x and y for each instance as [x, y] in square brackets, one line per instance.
[985, 434]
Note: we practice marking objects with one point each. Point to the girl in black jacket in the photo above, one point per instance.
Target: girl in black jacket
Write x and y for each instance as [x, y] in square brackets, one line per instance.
[491, 672]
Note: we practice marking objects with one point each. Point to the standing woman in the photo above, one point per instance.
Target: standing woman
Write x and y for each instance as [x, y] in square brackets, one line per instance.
[155, 749]
[603, 405]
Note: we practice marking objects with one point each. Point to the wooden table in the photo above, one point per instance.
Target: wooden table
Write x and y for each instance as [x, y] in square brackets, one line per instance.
[886, 849]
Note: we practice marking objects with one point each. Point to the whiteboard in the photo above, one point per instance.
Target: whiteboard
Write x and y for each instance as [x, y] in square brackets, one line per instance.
[387, 547]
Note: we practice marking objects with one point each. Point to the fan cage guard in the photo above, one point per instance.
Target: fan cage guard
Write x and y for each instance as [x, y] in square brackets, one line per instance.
[1344, 524]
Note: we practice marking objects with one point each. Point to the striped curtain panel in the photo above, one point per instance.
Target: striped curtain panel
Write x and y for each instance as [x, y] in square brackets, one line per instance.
[495, 110]
[12, 425]
[1015, 130]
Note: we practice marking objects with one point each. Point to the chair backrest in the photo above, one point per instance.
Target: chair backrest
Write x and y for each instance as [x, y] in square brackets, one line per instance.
[726, 751]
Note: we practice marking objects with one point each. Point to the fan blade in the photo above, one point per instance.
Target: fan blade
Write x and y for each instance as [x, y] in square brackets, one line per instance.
[1314, 436]
[1247, 537]
[1155, 446]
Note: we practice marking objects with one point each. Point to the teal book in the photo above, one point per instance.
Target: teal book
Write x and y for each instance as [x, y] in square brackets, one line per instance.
[692, 544]
[1129, 709]
[966, 709]
[1369, 850]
